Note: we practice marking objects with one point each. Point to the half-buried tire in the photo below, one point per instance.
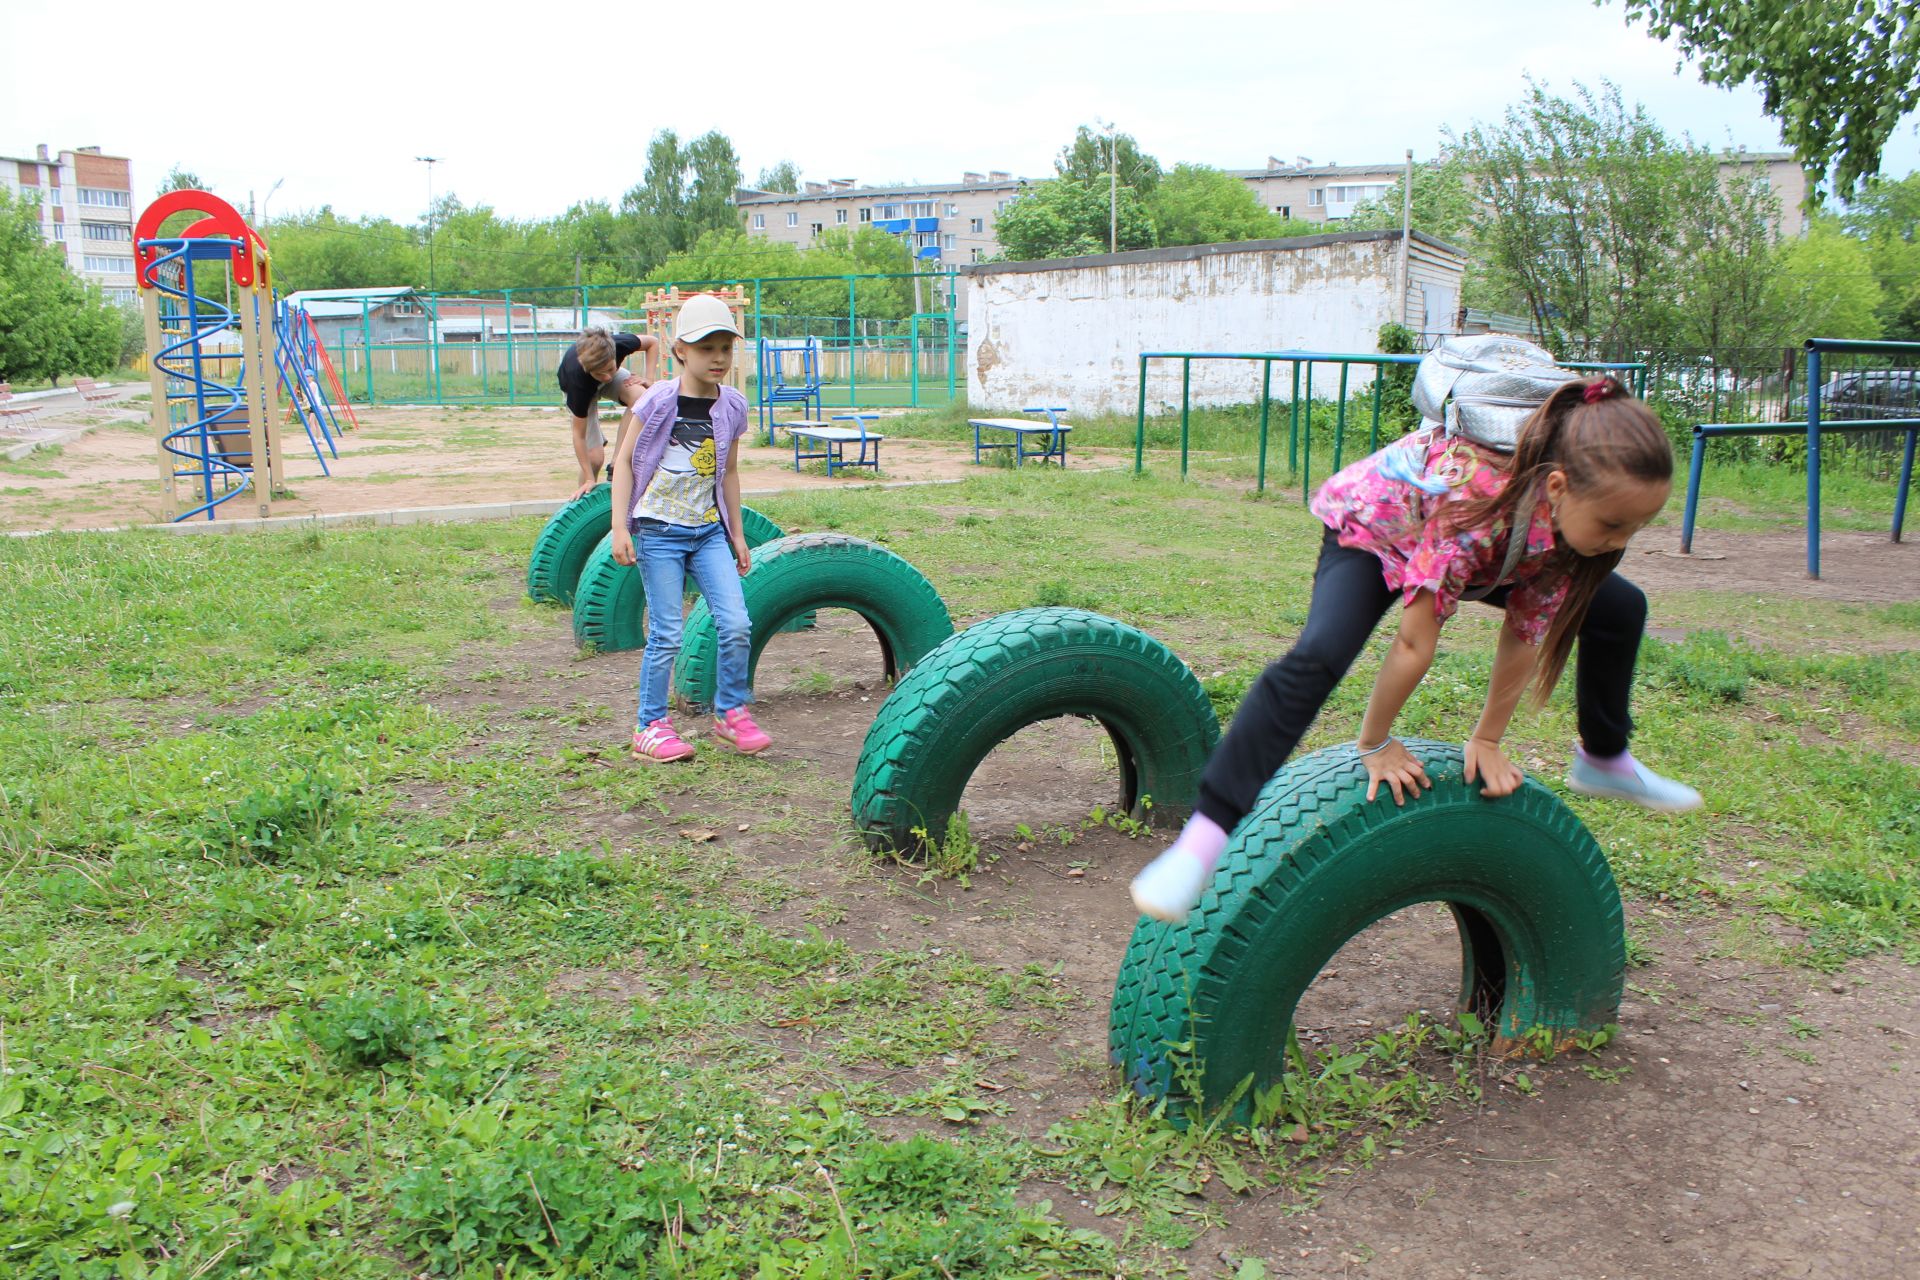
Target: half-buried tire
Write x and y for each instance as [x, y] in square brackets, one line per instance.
[998, 676]
[793, 576]
[610, 605]
[1314, 864]
[566, 541]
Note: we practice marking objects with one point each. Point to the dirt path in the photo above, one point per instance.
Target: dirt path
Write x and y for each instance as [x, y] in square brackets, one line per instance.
[1760, 1122]
[400, 457]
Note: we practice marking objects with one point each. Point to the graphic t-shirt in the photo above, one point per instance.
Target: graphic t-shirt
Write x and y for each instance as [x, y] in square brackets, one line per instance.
[683, 489]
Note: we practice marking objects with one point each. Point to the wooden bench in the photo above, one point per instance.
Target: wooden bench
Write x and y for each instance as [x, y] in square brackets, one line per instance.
[1053, 431]
[9, 410]
[91, 390]
[831, 442]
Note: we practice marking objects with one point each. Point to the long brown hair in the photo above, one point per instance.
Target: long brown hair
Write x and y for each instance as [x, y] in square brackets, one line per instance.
[1598, 433]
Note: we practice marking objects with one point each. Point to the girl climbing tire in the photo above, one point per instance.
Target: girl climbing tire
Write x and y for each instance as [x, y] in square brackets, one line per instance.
[998, 676]
[565, 542]
[1313, 864]
[610, 605]
[793, 576]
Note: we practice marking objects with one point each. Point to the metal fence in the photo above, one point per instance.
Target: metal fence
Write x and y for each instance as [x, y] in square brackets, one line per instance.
[894, 341]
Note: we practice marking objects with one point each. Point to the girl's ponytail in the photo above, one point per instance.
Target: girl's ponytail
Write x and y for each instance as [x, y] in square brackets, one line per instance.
[1597, 432]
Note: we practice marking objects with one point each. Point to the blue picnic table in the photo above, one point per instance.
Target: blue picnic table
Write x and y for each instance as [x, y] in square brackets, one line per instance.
[1053, 434]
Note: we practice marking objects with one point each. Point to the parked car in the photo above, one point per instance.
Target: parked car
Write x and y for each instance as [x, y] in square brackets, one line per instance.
[1871, 393]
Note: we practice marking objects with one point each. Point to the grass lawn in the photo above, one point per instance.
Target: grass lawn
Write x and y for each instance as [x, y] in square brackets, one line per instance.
[341, 940]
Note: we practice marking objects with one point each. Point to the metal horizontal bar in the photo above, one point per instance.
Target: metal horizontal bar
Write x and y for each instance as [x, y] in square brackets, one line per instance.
[1800, 428]
[1863, 346]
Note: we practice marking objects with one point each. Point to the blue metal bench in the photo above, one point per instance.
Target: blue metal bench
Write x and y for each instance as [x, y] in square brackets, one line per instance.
[831, 442]
[773, 363]
[1053, 433]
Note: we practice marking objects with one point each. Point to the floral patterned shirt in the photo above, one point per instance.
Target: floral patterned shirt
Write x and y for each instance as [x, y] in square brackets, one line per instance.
[1375, 511]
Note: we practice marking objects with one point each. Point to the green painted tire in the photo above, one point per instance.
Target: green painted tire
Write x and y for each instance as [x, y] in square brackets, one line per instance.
[566, 541]
[995, 678]
[610, 605]
[1538, 912]
[793, 576]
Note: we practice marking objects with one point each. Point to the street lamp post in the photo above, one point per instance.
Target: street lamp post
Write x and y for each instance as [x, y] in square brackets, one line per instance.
[429, 161]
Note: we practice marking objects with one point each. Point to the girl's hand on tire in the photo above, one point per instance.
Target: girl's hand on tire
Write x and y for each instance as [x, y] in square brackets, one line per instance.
[1399, 768]
[1486, 764]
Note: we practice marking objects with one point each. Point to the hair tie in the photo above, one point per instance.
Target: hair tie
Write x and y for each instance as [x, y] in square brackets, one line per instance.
[1599, 389]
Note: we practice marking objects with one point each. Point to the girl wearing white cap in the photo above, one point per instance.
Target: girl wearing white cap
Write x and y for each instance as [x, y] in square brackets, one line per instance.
[676, 509]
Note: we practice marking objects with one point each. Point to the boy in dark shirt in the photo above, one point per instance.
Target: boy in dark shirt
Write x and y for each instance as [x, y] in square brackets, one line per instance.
[592, 369]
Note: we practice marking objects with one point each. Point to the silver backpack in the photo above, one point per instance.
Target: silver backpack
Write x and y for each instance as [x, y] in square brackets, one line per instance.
[1485, 387]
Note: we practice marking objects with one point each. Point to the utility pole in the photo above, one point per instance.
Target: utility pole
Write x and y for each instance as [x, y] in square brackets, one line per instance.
[1406, 230]
[429, 161]
[1113, 192]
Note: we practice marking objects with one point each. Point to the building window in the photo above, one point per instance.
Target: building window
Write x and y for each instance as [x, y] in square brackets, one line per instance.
[949, 242]
[106, 231]
[108, 266]
[887, 211]
[839, 217]
[793, 219]
[817, 228]
[926, 239]
[1356, 193]
[759, 222]
[920, 209]
[979, 255]
[953, 211]
[976, 226]
[1316, 197]
[1284, 210]
[124, 297]
[1001, 206]
[106, 199]
[866, 215]
[59, 231]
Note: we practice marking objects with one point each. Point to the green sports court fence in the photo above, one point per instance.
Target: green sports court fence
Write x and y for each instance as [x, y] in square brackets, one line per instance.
[885, 339]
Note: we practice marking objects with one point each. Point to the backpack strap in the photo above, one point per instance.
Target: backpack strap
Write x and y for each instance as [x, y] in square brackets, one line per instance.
[1516, 547]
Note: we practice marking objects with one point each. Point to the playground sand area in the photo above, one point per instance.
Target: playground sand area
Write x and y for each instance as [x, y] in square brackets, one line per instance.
[1754, 1118]
[400, 458]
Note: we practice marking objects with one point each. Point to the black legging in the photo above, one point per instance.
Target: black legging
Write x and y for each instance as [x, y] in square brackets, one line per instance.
[1350, 595]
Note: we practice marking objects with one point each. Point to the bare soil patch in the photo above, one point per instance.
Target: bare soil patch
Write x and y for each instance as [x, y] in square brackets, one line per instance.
[1761, 1121]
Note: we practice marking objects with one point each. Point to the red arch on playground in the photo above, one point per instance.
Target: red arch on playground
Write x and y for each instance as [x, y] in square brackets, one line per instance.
[221, 219]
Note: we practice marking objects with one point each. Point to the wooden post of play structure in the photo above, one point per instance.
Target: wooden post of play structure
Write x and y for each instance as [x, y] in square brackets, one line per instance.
[661, 305]
[161, 410]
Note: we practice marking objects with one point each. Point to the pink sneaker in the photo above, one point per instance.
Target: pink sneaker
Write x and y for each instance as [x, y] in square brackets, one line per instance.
[738, 731]
[659, 743]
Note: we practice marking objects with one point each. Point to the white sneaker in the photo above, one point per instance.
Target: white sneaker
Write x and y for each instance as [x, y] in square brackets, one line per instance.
[1643, 786]
[1170, 885]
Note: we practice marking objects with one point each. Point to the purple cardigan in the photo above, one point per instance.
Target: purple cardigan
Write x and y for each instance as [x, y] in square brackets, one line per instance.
[656, 411]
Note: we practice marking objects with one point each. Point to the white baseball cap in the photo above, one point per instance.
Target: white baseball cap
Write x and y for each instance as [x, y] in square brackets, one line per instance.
[701, 315]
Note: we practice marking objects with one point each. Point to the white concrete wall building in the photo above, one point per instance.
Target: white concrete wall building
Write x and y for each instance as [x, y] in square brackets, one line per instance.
[1069, 331]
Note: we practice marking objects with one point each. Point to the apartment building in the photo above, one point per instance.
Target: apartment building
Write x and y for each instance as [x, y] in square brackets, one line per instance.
[1332, 192]
[944, 224]
[85, 199]
[953, 225]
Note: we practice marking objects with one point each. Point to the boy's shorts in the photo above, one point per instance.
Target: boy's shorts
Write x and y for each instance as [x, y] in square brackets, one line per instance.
[596, 438]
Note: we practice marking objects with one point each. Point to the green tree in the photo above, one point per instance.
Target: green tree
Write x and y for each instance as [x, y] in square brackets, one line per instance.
[181, 179]
[1198, 205]
[1837, 74]
[1825, 286]
[781, 177]
[1443, 205]
[714, 181]
[1094, 152]
[321, 250]
[1612, 235]
[1063, 218]
[730, 255]
[52, 324]
[1886, 218]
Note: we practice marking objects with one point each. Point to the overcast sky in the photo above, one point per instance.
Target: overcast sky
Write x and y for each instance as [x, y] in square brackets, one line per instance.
[535, 107]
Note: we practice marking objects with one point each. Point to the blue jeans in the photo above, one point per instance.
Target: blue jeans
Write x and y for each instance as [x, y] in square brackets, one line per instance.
[666, 554]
